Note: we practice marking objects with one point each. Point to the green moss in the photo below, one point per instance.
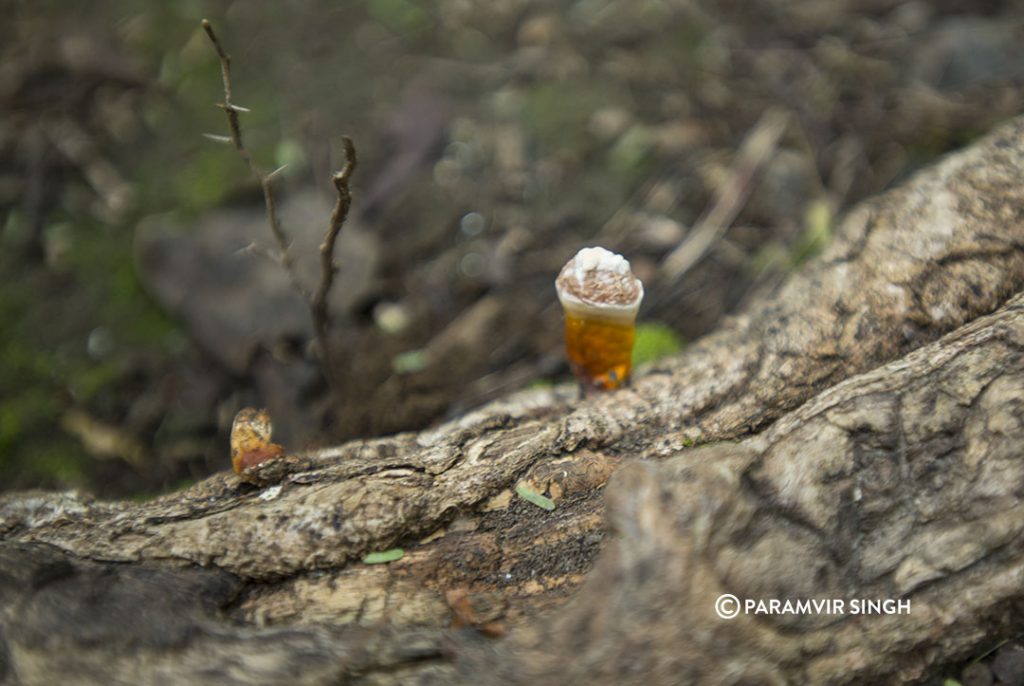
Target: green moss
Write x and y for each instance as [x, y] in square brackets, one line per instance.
[58, 460]
[88, 382]
[817, 231]
[103, 262]
[557, 114]
[410, 362]
[399, 15]
[45, 361]
[289, 154]
[33, 451]
[205, 182]
[775, 256]
[23, 413]
[631, 154]
[654, 341]
[770, 257]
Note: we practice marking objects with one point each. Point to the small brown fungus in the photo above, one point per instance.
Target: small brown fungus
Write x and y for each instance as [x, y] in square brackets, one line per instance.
[250, 439]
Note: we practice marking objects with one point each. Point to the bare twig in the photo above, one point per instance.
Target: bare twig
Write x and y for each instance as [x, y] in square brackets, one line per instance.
[317, 300]
[755, 150]
[318, 305]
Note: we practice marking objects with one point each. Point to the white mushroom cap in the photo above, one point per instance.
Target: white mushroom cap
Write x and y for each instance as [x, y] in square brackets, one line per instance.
[599, 283]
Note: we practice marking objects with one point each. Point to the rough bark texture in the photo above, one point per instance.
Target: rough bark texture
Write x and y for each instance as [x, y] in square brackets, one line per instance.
[904, 482]
[875, 459]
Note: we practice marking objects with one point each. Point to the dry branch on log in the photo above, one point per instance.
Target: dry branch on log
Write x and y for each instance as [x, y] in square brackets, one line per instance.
[900, 481]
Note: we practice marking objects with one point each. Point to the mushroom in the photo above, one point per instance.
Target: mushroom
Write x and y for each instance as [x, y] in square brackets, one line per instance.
[250, 439]
[600, 297]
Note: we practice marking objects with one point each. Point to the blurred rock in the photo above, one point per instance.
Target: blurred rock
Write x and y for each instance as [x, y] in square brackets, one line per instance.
[658, 232]
[416, 131]
[233, 301]
[541, 29]
[609, 123]
[969, 51]
[783, 188]
[1008, 665]
[976, 674]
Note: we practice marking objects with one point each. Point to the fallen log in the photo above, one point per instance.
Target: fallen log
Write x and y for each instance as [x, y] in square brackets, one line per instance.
[899, 482]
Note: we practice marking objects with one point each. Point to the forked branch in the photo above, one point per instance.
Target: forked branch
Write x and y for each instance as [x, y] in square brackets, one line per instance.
[316, 298]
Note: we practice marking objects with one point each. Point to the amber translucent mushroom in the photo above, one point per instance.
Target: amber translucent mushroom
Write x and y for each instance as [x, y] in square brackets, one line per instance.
[600, 297]
[250, 439]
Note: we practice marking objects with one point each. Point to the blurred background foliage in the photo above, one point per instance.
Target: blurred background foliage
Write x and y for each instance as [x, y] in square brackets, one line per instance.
[496, 138]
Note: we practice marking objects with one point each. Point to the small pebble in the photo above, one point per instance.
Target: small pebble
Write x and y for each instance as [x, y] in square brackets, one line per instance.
[976, 674]
[392, 318]
[1008, 665]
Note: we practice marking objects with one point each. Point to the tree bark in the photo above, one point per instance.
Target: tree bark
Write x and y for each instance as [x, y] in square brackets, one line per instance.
[860, 424]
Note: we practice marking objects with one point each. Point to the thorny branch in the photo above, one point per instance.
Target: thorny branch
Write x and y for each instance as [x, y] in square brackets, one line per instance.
[317, 300]
[235, 127]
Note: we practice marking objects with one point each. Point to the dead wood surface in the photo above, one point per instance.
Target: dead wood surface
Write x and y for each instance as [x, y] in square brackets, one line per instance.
[892, 480]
